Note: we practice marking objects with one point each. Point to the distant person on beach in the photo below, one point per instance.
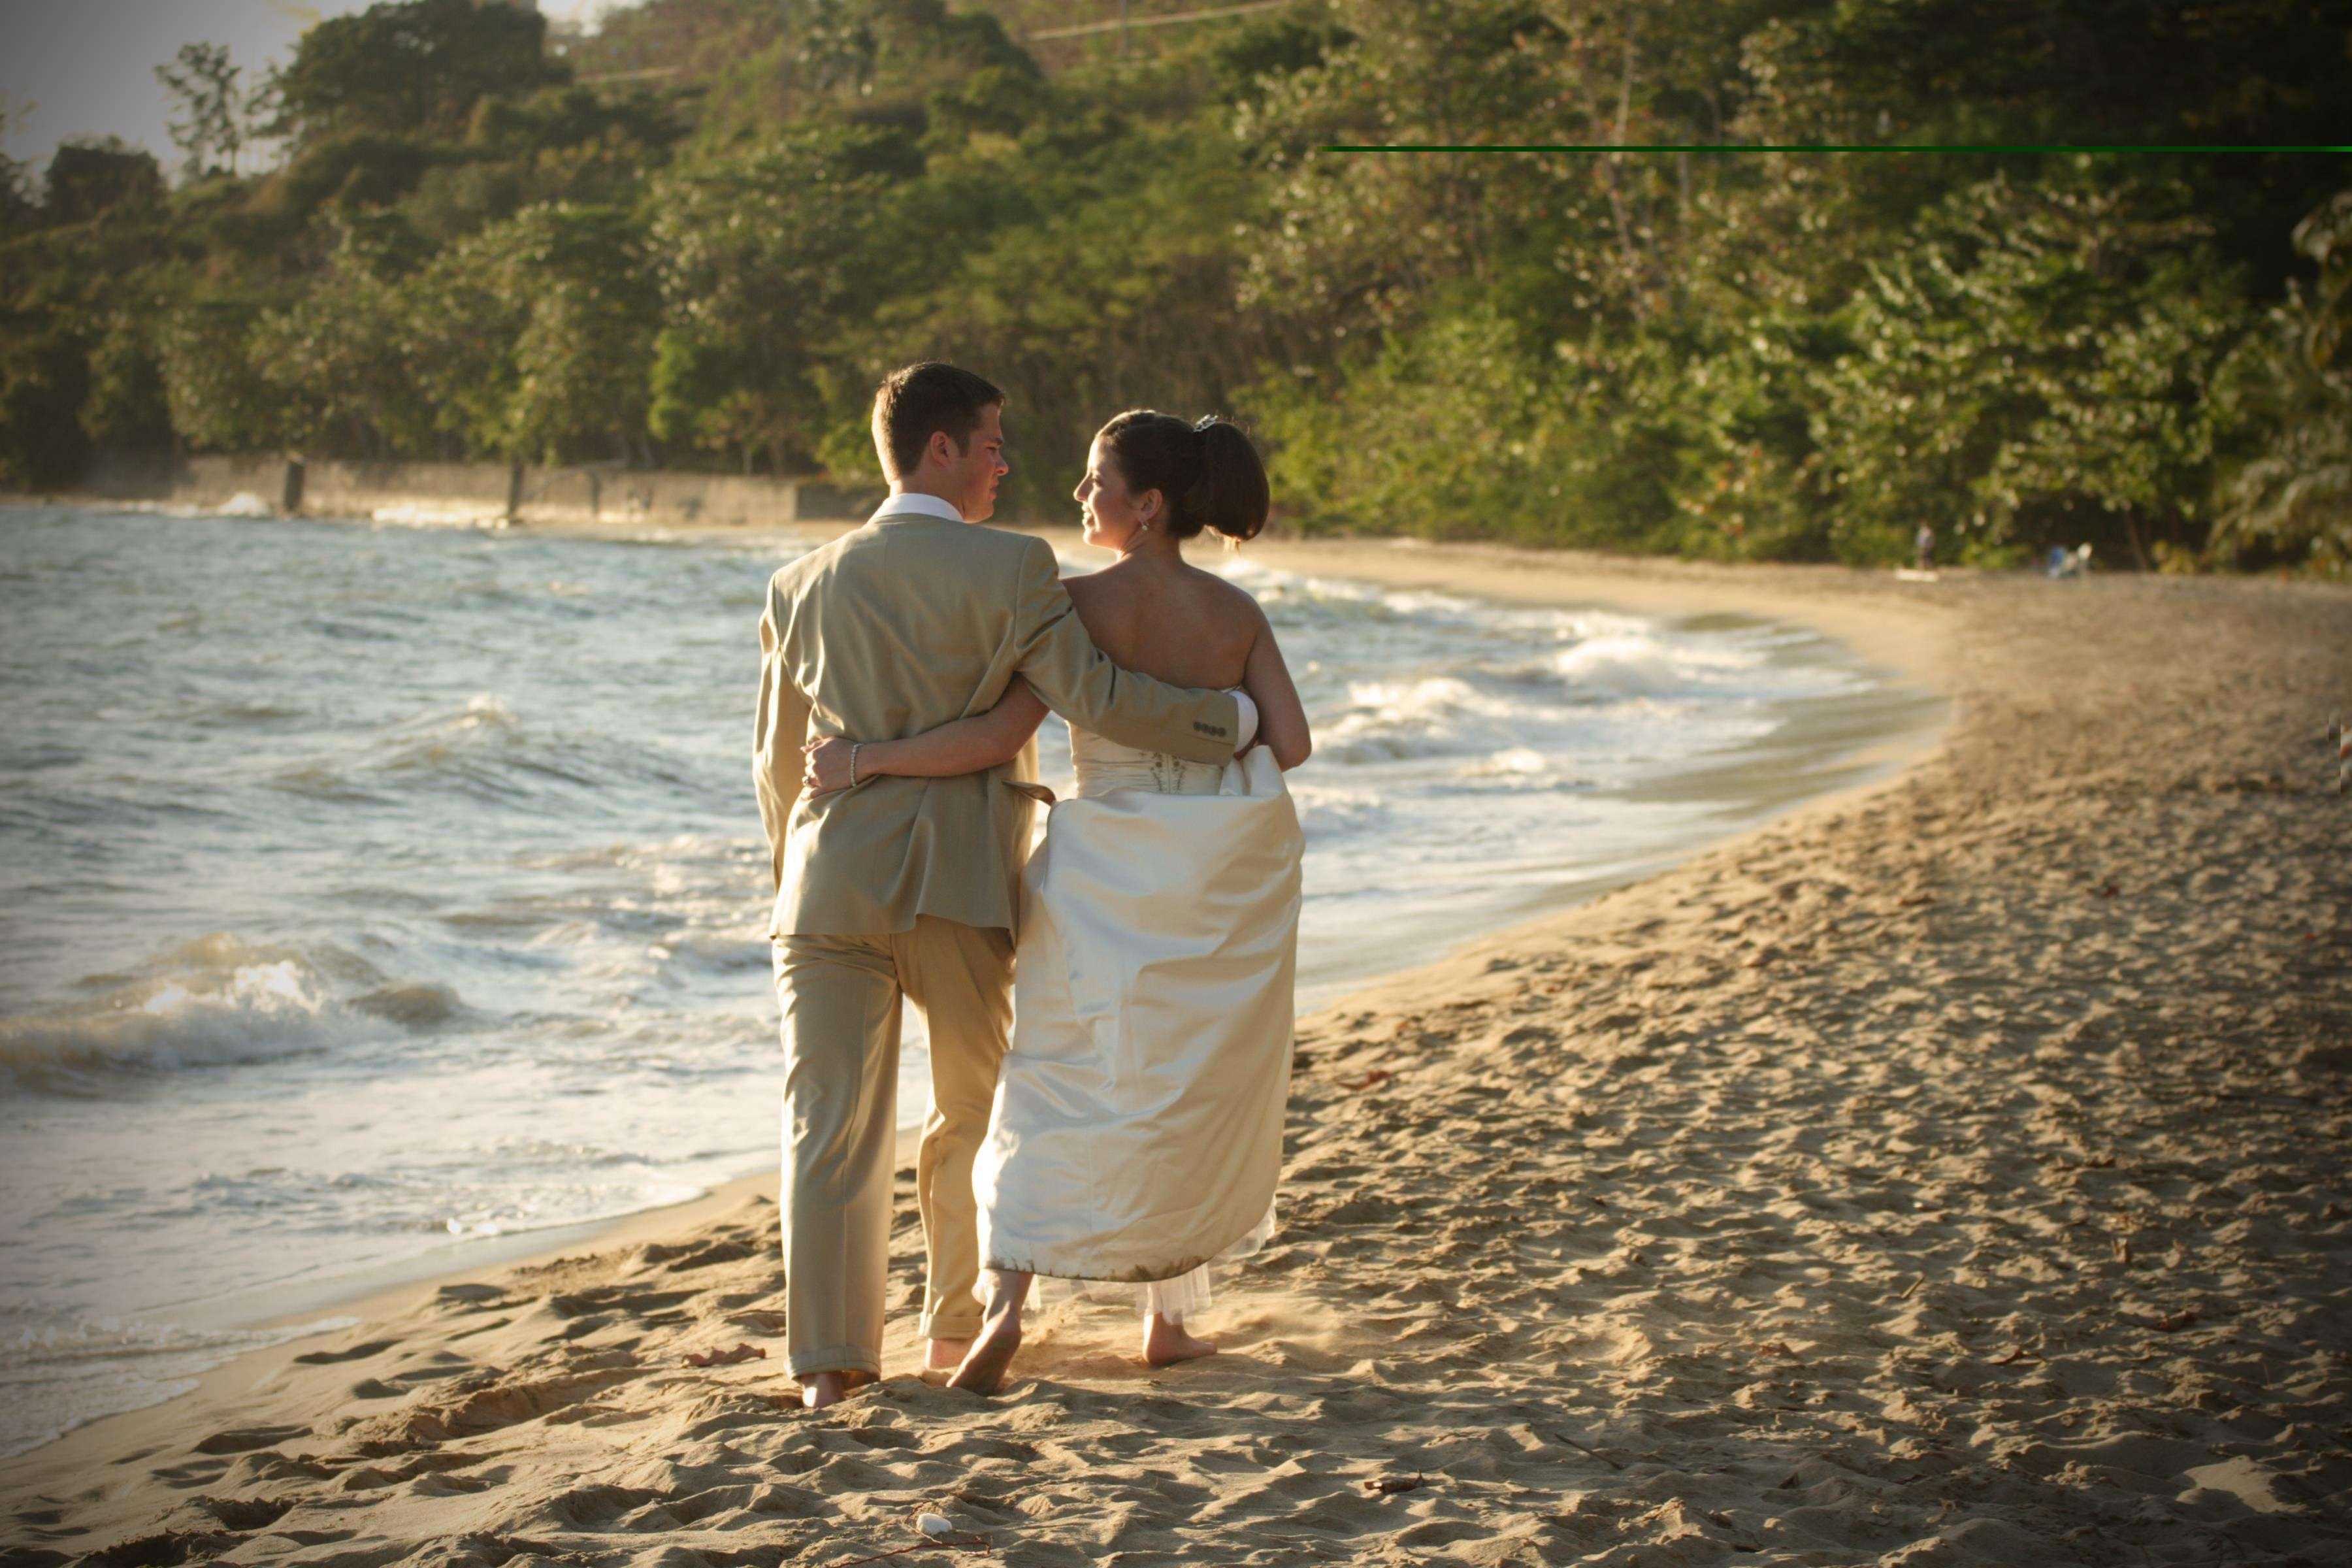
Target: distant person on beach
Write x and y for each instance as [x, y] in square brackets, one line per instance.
[2065, 562]
[1923, 548]
[1138, 1128]
[910, 887]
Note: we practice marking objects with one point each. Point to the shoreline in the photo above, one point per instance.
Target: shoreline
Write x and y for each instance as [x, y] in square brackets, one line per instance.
[1490, 574]
[1936, 1171]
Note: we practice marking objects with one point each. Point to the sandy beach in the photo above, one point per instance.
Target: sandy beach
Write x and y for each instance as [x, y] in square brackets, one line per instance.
[1951, 1172]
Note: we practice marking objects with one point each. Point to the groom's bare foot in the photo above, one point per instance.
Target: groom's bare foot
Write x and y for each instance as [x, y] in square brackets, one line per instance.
[820, 1389]
[1166, 1344]
[983, 1366]
[945, 1355]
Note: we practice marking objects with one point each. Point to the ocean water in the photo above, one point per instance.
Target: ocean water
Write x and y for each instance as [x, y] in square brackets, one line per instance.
[368, 891]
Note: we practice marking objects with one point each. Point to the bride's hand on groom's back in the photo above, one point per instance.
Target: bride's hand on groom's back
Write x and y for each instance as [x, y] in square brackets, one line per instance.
[826, 766]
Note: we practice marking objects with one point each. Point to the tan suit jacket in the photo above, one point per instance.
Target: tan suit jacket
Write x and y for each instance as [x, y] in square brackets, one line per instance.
[905, 623]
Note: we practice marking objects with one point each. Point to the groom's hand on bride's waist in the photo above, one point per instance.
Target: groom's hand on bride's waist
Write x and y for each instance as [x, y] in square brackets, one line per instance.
[827, 765]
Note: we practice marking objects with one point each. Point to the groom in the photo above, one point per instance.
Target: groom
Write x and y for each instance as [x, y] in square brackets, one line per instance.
[910, 887]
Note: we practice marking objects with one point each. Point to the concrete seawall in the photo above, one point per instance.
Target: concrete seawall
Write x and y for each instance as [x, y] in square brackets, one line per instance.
[474, 492]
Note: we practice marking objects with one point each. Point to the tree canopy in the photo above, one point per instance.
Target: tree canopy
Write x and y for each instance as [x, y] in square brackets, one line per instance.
[698, 235]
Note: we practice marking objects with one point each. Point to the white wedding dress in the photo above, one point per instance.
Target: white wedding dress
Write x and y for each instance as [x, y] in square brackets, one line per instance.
[1136, 1132]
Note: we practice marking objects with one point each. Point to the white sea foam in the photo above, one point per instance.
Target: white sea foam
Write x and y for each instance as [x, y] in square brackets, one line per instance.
[1514, 761]
[1432, 717]
[212, 1003]
[1634, 666]
[416, 515]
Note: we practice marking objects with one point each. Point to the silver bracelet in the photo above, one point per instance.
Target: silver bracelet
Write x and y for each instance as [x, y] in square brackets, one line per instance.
[853, 762]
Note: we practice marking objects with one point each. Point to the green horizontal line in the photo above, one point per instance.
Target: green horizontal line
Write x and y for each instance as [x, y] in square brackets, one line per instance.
[1813, 147]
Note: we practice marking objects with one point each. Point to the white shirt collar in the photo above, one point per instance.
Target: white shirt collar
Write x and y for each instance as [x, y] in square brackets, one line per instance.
[913, 504]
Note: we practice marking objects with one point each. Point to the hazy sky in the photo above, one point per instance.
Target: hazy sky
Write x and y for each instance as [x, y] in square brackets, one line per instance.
[70, 68]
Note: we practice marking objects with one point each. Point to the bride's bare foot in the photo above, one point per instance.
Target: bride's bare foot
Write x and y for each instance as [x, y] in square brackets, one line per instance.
[990, 1353]
[1166, 1344]
[984, 1364]
[945, 1355]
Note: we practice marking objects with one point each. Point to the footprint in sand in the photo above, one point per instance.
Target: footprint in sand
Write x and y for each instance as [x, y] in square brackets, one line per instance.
[243, 1513]
[246, 1439]
[356, 1353]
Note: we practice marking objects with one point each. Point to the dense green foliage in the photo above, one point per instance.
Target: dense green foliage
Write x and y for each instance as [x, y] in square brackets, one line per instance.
[699, 235]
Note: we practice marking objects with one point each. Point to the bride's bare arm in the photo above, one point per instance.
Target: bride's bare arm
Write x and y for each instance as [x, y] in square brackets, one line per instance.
[1281, 717]
[964, 746]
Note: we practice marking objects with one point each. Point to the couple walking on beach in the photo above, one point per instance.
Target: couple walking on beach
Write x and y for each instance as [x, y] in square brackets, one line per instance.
[1110, 1108]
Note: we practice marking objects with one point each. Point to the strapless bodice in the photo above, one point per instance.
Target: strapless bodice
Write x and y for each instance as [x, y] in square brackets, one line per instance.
[1102, 765]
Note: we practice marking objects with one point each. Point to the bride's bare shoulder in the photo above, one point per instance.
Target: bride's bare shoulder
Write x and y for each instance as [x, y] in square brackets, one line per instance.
[1231, 605]
[1107, 606]
[1108, 586]
[1223, 587]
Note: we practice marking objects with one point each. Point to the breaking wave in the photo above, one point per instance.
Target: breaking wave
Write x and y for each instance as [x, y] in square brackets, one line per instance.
[212, 1002]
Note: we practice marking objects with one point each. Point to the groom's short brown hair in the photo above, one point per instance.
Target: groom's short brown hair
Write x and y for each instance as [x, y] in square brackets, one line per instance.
[913, 402]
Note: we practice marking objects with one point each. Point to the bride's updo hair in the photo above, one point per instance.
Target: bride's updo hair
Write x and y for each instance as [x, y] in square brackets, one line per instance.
[1208, 473]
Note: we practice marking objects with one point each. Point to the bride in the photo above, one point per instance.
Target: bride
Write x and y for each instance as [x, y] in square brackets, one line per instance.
[1136, 1131]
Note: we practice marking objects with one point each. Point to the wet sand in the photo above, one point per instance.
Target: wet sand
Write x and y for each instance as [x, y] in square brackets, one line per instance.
[1951, 1172]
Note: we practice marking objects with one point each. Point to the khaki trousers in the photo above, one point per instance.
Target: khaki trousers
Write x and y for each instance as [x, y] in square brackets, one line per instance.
[839, 1000]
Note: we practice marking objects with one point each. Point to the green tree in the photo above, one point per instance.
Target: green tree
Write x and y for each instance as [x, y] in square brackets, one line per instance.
[337, 357]
[763, 257]
[2085, 71]
[126, 406]
[836, 45]
[1140, 306]
[408, 68]
[2031, 368]
[534, 338]
[76, 300]
[2292, 498]
[96, 176]
[212, 112]
[586, 344]
[461, 322]
[44, 377]
[19, 210]
[219, 399]
[1431, 436]
[352, 172]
